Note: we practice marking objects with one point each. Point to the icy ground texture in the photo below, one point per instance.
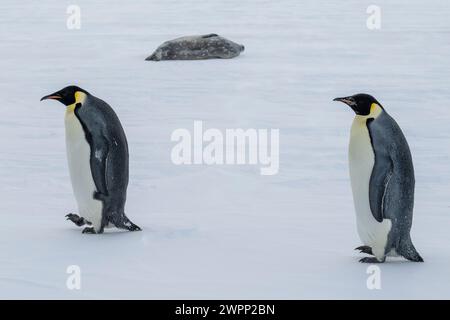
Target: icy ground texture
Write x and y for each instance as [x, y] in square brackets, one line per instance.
[221, 232]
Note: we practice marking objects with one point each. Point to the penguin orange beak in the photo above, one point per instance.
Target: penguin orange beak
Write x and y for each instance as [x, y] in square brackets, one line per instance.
[53, 96]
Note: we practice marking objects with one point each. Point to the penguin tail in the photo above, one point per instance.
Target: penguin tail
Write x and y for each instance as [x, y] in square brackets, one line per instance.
[407, 250]
[121, 221]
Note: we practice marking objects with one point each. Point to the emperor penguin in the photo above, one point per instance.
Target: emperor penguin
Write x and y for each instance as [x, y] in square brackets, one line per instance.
[97, 154]
[382, 180]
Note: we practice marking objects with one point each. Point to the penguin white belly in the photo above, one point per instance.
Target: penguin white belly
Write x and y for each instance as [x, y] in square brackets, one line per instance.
[362, 159]
[78, 156]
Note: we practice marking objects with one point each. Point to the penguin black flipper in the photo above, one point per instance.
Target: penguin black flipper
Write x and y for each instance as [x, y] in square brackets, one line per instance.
[391, 189]
[379, 180]
[99, 156]
[382, 173]
[99, 153]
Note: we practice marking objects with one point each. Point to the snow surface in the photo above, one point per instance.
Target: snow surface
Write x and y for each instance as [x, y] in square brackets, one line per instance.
[221, 231]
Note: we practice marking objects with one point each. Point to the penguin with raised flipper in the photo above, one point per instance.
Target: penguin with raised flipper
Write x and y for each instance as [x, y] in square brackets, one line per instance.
[97, 154]
[382, 179]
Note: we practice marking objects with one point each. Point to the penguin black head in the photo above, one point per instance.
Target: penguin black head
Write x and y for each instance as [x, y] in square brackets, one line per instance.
[361, 103]
[66, 96]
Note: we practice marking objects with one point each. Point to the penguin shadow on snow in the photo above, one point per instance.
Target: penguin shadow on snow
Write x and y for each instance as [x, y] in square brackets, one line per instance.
[108, 232]
[170, 233]
[148, 233]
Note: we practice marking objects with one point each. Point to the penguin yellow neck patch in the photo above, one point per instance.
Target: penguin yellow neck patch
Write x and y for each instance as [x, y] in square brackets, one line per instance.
[375, 111]
[79, 98]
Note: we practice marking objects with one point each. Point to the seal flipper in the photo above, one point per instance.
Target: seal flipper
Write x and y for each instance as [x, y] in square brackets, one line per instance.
[211, 35]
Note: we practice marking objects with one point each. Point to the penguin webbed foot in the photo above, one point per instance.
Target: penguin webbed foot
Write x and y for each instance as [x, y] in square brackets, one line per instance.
[365, 249]
[89, 230]
[371, 260]
[79, 221]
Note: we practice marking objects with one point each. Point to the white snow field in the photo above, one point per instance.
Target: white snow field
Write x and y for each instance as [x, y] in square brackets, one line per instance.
[221, 232]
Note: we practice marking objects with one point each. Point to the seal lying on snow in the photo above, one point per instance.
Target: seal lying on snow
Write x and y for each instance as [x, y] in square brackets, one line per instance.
[208, 46]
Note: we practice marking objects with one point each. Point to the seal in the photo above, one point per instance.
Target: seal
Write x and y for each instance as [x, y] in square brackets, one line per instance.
[209, 46]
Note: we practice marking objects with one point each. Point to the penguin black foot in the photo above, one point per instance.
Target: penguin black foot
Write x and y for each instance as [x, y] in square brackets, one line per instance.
[79, 221]
[365, 249]
[89, 230]
[371, 260]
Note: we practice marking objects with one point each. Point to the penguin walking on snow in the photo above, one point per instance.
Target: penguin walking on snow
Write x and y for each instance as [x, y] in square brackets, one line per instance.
[97, 153]
[382, 179]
